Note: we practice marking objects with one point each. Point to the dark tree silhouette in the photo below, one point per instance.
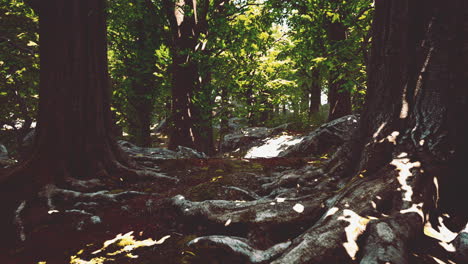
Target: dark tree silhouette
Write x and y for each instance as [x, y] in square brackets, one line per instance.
[339, 98]
[73, 136]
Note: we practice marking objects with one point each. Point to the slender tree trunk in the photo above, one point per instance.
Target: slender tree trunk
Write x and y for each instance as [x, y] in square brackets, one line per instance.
[203, 117]
[140, 98]
[184, 72]
[339, 98]
[224, 116]
[315, 98]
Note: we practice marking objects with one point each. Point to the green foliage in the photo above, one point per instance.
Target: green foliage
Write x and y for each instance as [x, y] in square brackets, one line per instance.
[138, 60]
[19, 64]
[255, 59]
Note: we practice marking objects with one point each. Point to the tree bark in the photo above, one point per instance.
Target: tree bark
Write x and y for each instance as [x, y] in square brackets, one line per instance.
[73, 135]
[315, 93]
[339, 98]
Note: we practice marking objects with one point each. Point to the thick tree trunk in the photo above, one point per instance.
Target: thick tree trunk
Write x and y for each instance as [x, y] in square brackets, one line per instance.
[183, 72]
[73, 136]
[418, 89]
[74, 121]
[191, 116]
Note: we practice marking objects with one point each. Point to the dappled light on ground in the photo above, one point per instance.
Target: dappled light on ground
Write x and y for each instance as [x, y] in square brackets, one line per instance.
[404, 166]
[357, 225]
[272, 147]
[118, 247]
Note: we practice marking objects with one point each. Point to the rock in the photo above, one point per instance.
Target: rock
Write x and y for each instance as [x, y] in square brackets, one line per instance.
[324, 138]
[236, 124]
[247, 138]
[188, 153]
[160, 153]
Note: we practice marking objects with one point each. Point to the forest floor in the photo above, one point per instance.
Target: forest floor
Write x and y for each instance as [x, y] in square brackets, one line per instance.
[159, 232]
[146, 228]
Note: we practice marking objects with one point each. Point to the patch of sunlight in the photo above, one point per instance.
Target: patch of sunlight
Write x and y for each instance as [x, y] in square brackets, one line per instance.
[415, 208]
[436, 184]
[272, 147]
[330, 212]
[444, 235]
[98, 260]
[391, 138]
[376, 134]
[357, 225]
[298, 208]
[439, 261]
[214, 179]
[125, 243]
[404, 166]
[280, 200]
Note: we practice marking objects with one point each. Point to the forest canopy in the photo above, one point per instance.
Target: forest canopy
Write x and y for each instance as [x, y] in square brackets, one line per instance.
[268, 62]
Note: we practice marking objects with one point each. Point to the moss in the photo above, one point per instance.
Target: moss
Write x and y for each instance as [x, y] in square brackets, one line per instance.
[115, 191]
[204, 191]
[256, 166]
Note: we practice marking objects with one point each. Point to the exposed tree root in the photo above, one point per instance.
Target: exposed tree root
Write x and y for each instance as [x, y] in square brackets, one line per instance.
[249, 193]
[368, 219]
[388, 239]
[236, 246]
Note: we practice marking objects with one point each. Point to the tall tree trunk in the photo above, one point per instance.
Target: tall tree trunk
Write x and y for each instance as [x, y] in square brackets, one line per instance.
[140, 98]
[418, 89]
[183, 72]
[339, 98]
[191, 126]
[73, 135]
[203, 117]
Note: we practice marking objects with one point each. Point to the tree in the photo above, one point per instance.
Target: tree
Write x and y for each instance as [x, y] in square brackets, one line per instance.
[19, 68]
[73, 136]
[138, 60]
[401, 174]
